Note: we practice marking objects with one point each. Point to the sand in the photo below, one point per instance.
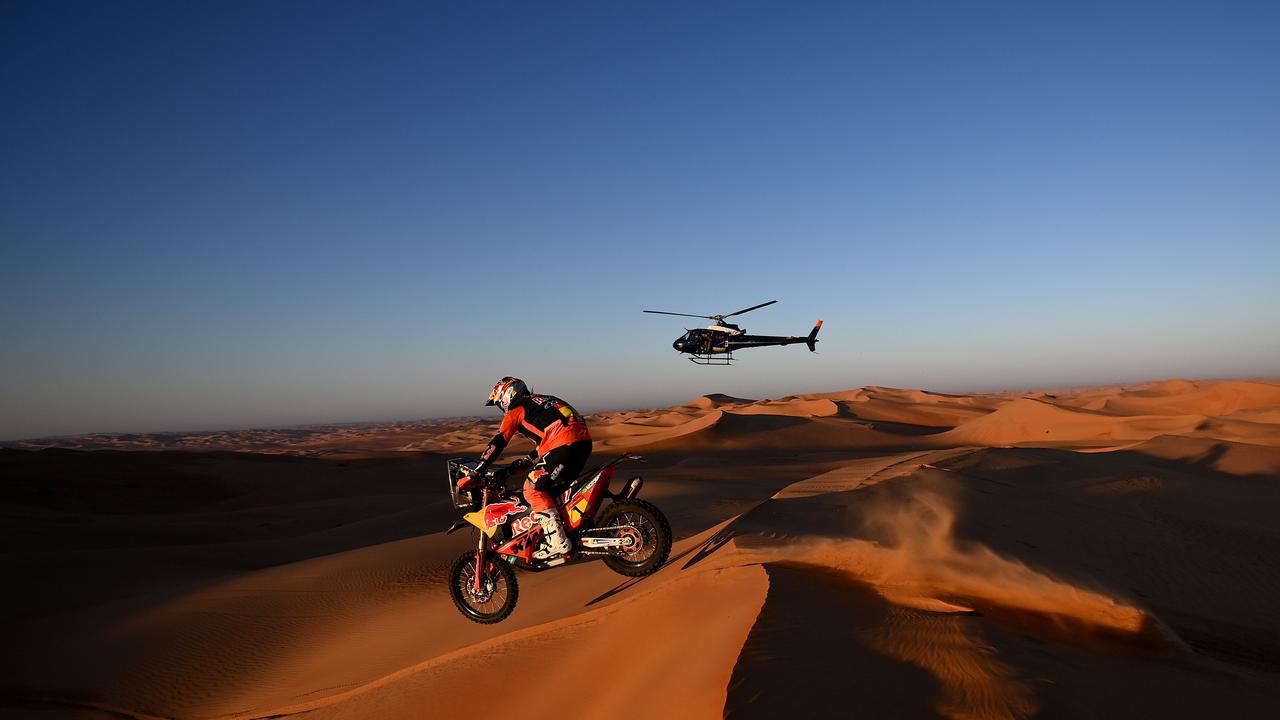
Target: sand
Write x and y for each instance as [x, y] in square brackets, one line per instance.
[878, 552]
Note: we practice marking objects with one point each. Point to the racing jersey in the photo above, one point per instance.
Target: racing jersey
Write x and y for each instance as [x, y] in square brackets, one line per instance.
[547, 420]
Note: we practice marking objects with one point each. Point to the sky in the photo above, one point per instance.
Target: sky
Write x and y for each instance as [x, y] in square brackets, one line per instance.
[240, 214]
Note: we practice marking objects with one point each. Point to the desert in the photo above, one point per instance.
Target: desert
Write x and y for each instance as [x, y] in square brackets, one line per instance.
[877, 552]
[590, 360]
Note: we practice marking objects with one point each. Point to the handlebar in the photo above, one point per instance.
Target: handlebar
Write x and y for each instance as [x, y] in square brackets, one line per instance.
[493, 476]
[493, 472]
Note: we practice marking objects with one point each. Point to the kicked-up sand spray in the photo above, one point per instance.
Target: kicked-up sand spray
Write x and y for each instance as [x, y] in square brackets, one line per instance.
[913, 559]
[908, 554]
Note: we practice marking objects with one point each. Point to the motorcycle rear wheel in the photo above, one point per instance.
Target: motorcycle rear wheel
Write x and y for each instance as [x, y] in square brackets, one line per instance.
[498, 588]
[654, 530]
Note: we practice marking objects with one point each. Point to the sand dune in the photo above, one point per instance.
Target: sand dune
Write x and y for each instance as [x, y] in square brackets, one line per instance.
[1237, 458]
[795, 407]
[717, 400]
[1028, 420]
[1102, 552]
[731, 430]
[725, 427]
[683, 675]
[1187, 398]
[620, 435]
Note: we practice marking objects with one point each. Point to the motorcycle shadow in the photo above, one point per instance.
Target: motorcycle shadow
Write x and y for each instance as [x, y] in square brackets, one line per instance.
[703, 550]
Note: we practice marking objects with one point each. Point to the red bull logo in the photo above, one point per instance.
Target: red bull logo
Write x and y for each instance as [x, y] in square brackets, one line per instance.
[495, 514]
[522, 525]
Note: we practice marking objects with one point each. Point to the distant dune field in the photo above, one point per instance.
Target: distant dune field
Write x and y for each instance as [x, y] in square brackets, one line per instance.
[886, 553]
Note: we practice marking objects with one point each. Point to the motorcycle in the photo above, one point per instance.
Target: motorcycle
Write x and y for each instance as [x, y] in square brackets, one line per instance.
[631, 536]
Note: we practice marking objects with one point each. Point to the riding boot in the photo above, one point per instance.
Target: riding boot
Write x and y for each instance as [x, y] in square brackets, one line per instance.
[555, 539]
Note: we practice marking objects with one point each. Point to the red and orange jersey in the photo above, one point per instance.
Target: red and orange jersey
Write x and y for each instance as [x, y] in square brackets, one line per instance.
[547, 420]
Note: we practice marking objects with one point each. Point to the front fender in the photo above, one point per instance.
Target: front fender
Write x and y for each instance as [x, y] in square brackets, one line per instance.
[477, 518]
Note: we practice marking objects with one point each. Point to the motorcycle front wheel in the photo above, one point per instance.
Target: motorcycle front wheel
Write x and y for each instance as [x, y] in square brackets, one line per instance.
[498, 589]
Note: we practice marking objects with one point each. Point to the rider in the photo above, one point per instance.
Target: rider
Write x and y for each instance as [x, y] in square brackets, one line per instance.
[562, 446]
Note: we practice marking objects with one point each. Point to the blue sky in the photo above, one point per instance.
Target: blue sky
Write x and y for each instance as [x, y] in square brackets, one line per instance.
[272, 213]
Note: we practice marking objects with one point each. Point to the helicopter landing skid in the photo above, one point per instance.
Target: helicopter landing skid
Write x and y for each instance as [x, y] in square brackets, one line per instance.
[722, 359]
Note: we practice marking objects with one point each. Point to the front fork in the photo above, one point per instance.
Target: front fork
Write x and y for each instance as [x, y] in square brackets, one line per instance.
[480, 546]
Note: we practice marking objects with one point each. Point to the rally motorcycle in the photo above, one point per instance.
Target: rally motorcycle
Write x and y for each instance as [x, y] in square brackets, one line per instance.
[632, 536]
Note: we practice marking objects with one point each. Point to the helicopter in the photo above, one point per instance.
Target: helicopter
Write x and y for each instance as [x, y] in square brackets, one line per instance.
[714, 345]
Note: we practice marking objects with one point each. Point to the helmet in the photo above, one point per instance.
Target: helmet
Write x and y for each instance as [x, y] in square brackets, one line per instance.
[507, 389]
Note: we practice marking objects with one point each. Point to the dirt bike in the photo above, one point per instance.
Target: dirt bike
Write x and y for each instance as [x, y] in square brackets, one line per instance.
[632, 536]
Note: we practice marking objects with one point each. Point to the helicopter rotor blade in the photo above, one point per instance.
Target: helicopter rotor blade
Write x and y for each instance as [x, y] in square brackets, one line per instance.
[664, 312]
[753, 307]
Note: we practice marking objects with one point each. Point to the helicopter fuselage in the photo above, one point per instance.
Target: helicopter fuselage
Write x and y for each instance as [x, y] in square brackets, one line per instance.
[722, 339]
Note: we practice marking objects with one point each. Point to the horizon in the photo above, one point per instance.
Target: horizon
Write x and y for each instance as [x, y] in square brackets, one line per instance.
[589, 411]
[250, 216]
